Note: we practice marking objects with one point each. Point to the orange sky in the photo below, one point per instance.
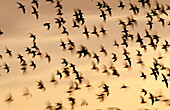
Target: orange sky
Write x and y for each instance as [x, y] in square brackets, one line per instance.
[18, 26]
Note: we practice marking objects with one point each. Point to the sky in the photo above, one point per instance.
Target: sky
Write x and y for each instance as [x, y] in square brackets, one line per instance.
[16, 28]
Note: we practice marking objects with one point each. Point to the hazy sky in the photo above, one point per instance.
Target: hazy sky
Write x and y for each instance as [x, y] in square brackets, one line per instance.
[18, 26]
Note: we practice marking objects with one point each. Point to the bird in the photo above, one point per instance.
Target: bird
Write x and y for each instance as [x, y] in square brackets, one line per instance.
[48, 106]
[103, 15]
[124, 86]
[59, 12]
[9, 52]
[47, 24]
[105, 70]
[96, 57]
[72, 100]
[48, 57]
[65, 62]
[152, 98]
[7, 68]
[41, 85]
[26, 92]
[53, 80]
[63, 45]
[109, 9]
[99, 5]
[9, 98]
[52, 1]
[86, 32]
[35, 2]
[121, 5]
[144, 91]
[75, 24]
[21, 6]
[84, 103]
[102, 30]
[95, 31]
[94, 67]
[33, 65]
[20, 57]
[142, 100]
[116, 44]
[35, 12]
[143, 75]
[103, 50]
[65, 31]
[1, 32]
[165, 80]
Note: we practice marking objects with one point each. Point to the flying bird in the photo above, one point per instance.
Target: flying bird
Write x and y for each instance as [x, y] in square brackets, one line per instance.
[47, 25]
[35, 12]
[35, 2]
[21, 6]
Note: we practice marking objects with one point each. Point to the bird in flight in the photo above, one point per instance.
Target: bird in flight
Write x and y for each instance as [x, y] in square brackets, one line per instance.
[21, 6]
[35, 12]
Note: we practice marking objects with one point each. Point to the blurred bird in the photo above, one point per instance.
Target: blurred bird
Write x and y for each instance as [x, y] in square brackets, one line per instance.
[26, 92]
[9, 98]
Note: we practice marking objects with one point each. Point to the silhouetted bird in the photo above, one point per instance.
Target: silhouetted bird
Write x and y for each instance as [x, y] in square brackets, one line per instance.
[72, 100]
[103, 15]
[65, 62]
[64, 31]
[152, 98]
[58, 5]
[1, 32]
[9, 52]
[41, 85]
[35, 12]
[52, 1]
[121, 5]
[102, 30]
[144, 91]
[48, 57]
[33, 65]
[35, 2]
[20, 57]
[165, 80]
[47, 24]
[142, 100]
[86, 32]
[95, 31]
[109, 9]
[96, 57]
[166, 45]
[6, 67]
[99, 5]
[59, 12]
[103, 50]
[94, 67]
[63, 45]
[75, 24]
[143, 75]
[21, 6]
